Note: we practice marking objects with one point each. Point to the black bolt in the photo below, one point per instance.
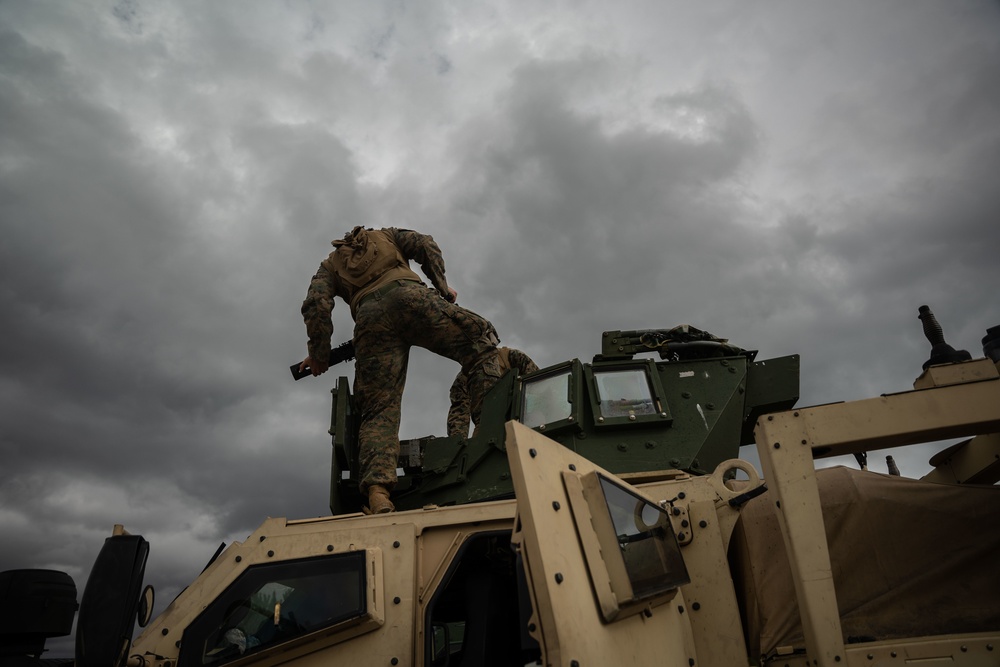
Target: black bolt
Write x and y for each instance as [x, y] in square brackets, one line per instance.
[682, 495]
[263, 537]
[648, 613]
[555, 504]
[164, 632]
[778, 503]
[804, 442]
[696, 606]
[684, 523]
[680, 609]
[893, 654]
[770, 418]
[965, 649]
[574, 663]
[703, 523]
[394, 661]
[531, 627]
[559, 577]
[533, 453]
[777, 445]
[572, 466]
[329, 547]
[239, 559]
[270, 554]
[989, 647]
[676, 511]
[871, 657]
[691, 662]
[177, 644]
[396, 600]
[795, 414]
[681, 536]
[836, 658]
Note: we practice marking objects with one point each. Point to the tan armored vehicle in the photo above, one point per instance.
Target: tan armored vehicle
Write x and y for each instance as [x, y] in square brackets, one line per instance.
[575, 556]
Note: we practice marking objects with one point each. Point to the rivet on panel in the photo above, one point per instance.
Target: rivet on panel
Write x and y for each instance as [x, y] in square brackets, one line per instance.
[559, 577]
[555, 505]
[270, 554]
[395, 545]
[533, 453]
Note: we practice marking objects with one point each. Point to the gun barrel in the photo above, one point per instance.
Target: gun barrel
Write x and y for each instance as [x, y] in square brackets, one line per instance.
[343, 352]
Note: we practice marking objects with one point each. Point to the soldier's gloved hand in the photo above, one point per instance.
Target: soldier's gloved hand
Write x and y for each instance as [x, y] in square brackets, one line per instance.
[315, 367]
[452, 295]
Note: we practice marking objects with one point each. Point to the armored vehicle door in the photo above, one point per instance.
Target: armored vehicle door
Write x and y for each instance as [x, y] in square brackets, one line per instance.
[601, 560]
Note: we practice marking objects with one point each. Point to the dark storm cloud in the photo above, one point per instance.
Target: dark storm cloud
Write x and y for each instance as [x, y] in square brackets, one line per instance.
[639, 211]
[796, 178]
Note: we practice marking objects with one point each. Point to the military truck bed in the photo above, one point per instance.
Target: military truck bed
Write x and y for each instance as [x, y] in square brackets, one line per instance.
[921, 558]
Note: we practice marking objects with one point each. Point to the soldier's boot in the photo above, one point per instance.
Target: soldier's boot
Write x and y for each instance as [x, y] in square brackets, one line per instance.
[378, 500]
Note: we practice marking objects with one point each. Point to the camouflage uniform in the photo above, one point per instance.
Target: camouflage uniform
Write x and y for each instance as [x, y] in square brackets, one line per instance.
[460, 413]
[393, 311]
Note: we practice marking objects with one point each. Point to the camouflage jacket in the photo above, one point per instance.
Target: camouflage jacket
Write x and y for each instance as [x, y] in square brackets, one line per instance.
[317, 308]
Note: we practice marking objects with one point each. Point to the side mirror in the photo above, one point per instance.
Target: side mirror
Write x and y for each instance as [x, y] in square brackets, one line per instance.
[145, 607]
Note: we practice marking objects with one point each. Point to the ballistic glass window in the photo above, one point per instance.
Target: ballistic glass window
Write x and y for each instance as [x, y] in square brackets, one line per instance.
[646, 541]
[546, 400]
[624, 392]
[271, 604]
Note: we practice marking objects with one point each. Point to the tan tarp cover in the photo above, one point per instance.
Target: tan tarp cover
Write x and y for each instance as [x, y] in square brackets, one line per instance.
[909, 558]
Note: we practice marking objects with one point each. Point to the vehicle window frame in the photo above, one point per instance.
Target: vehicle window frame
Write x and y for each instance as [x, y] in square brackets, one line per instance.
[611, 580]
[574, 395]
[368, 616]
[661, 411]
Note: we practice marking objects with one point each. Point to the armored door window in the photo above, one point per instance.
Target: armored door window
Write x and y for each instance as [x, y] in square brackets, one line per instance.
[646, 541]
[276, 603]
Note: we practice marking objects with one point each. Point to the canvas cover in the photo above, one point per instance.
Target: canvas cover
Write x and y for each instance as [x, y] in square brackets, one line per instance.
[909, 559]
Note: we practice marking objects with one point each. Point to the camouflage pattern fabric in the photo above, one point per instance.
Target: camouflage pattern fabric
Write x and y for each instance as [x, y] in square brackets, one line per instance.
[460, 412]
[317, 307]
[387, 326]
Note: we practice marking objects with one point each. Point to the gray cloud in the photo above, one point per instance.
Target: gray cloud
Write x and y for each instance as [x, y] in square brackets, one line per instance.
[797, 179]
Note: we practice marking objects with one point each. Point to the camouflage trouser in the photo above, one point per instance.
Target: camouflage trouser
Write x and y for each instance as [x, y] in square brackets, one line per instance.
[386, 326]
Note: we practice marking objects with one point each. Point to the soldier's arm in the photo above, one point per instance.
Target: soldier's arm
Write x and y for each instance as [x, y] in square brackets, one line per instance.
[317, 309]
[522, 362]
[459, 413]
[424, 250]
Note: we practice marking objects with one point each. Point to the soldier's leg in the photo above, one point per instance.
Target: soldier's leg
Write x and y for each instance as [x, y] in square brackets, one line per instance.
[426, 320]
[380, 374]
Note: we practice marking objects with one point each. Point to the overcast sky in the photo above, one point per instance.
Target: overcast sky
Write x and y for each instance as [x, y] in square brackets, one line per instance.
[796, 176]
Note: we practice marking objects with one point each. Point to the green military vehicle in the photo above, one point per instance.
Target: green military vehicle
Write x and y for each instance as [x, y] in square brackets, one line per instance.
[599, 516]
